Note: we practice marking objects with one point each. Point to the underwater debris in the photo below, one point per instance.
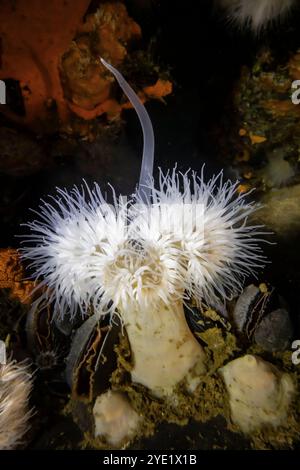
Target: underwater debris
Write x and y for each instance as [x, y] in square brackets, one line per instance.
[15, 387]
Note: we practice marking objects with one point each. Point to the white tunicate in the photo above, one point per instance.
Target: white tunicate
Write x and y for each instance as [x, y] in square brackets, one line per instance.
[148, 144]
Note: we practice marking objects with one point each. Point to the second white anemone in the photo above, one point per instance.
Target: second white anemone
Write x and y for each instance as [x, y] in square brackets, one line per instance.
[144, 257]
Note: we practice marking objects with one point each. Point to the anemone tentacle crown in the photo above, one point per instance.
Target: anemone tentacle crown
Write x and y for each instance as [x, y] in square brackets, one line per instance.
[257, 14]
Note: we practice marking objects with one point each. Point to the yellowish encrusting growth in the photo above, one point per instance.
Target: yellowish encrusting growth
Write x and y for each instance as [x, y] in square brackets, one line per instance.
[15, 388]
[259, 394]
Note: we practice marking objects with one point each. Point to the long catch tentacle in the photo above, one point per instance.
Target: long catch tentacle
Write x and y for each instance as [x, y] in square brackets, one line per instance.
[148, 134]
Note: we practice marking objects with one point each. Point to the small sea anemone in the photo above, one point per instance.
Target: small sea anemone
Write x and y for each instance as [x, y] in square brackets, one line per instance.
[15, 388]
[256, 13]
[205, 223]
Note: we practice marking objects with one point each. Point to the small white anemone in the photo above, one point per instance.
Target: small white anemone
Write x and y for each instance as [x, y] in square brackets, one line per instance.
[256, 13]
[143, 273]
[15, 387]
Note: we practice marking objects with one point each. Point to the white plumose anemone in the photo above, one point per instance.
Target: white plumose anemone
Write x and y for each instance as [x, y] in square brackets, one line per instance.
[144, 257]
[15, 387]
[74, 242]
[256, 13]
